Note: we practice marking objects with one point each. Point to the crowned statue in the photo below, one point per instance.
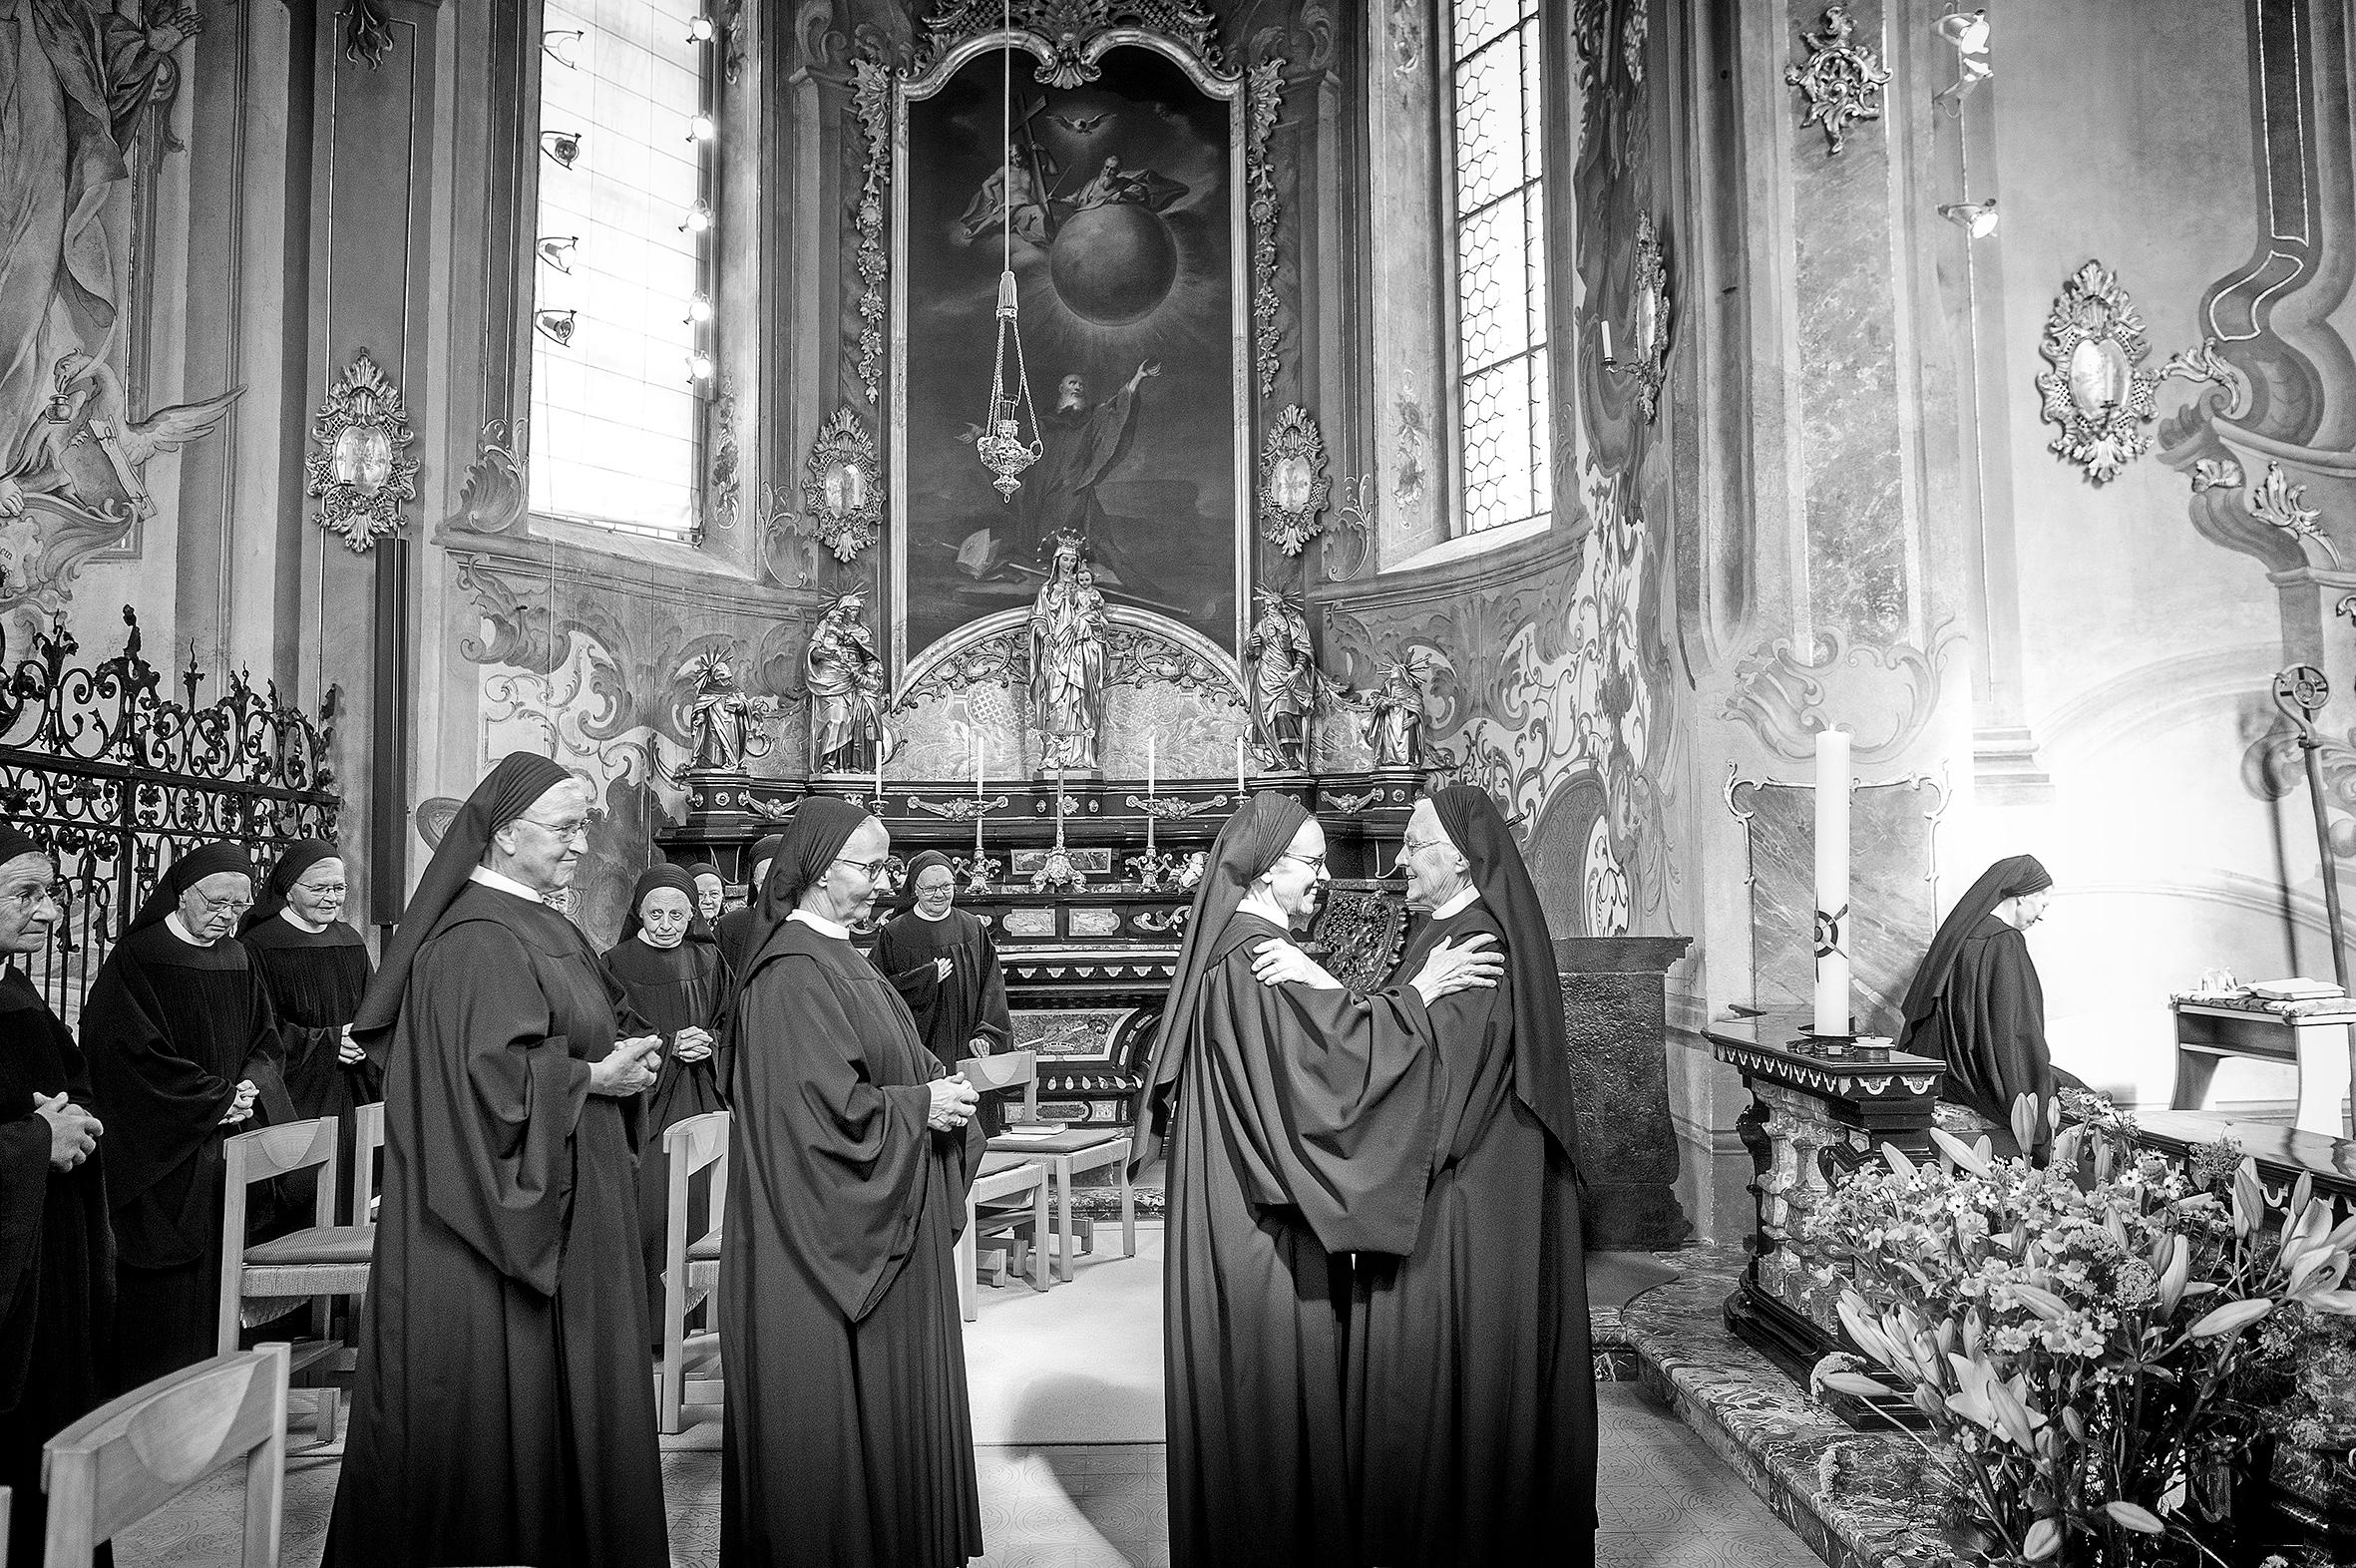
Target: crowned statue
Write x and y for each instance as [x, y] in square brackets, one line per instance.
[846, 681]
[724, 722]
[1067, 623]
[1282, 671]
[1395, 715]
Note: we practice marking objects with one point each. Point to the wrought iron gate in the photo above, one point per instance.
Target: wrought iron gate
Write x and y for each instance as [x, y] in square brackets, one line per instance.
[117, 779]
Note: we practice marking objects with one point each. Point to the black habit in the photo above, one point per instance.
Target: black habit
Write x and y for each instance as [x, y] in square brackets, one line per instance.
[315, 980]
[671, 989]
[170, 1028]
[504, 1409]
[56, 1264]
[950, 1013]
[848, 1439]
[1301, 1128]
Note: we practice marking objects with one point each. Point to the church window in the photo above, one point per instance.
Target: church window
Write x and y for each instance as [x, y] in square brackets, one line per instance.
[621, 347]
[1499, 232]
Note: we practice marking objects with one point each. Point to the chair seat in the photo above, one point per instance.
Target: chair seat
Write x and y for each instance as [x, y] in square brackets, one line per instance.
[1073, 1140]
[321, 1244]
[704, 1248]
[994, 1162]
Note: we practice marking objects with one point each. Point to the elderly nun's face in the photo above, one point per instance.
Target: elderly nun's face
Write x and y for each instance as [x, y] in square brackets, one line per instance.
[542, 849]
[937, 890]
[1299, 877]
[28, 904]
[1436, 868]
[846, 892]
[317, 895]
[663, 917]
[211, 905]
[710, 893]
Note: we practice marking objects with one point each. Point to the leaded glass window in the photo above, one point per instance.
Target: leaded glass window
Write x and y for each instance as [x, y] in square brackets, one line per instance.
[1502, 396]
[622, 284]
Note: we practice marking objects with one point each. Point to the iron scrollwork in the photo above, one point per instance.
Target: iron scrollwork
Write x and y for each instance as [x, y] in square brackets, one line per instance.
[358, 470]
[1361, 931]
[2096, 390]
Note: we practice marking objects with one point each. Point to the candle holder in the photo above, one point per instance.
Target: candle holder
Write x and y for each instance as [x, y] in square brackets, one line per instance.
[1154, 872]
[979, 870]
[1828, 1047]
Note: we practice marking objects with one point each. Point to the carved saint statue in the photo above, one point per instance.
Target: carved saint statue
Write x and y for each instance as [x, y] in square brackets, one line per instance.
[724, 718]
[1067, 661]
[846, 681]
[1282, 673]
[1395, 717]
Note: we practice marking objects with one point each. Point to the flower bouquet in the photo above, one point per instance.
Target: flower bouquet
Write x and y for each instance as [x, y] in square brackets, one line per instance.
[2078, 1336]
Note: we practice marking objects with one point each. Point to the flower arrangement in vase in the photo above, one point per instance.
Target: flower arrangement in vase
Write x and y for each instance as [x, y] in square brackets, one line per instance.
[2078, 1336]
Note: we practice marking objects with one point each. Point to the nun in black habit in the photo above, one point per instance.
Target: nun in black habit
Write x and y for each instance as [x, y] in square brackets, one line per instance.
[1471, 1398]
[1301, 1129]
[677, 986]
[316, 967]
[182, 1047]
[847, 1436]
[56, 1261]
[1976, 1002]
[945, 967]
[504, 1412]
[734, 930]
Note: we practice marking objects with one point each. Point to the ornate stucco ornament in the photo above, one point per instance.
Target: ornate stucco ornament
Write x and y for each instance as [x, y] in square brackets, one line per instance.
[358, 471]
[1842, 78]
[843, 493]
[2093, 339]
[1294, 487]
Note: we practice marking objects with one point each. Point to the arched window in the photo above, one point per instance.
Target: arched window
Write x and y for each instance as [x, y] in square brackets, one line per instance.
[623, 279]
[1498, 230]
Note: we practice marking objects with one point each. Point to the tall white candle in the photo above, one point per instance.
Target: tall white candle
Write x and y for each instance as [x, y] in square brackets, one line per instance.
[976, 767]
[1149, 740]
[1832, 937]
[878, 775]
[1239, 769]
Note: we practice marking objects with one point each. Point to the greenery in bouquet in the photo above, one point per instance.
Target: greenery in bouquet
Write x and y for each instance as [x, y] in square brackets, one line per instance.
[2089, 1337]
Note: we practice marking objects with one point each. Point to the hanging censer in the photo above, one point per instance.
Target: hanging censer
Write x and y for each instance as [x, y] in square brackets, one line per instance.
[1000, 445]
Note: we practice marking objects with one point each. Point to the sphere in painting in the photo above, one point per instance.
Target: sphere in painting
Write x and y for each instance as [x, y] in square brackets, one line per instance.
[1113, 264]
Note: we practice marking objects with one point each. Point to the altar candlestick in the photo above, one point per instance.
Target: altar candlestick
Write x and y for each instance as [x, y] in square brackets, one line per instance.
[1149, 759]
[879, 778]
[1239, 770]
[1149, 745]
[977, 767]
[1831, 937]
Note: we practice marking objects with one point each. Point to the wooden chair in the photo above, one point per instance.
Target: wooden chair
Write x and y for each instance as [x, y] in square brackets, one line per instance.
[1001, 1176]
[1065, 1153]
[367, 1143]
[690, 1372]
[124, 1460]
[325, 1260]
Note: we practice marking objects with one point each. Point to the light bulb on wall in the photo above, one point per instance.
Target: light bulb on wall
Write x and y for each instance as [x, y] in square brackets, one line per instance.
[557, 325]
[699, 308]
[560, 44]
[699, 30]
[699, 218]
[561, 146]
[699, 367]
[702, 129]
[556, 251]
[1976, 218]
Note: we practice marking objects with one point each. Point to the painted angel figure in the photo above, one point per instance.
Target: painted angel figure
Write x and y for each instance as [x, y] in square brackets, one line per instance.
[1282, 671]
[846, 681]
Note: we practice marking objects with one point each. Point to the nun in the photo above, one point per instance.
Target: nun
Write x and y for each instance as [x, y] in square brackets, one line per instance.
[503, 1410]
[677, 987]
[735, 929]
[56, 1264]
[847, 1438]
[945, 967]
[182, 1046]
[316, 967]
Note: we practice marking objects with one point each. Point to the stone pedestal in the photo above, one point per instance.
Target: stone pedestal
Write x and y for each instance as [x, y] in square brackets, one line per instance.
[1615, 1015]
[1812, 1118]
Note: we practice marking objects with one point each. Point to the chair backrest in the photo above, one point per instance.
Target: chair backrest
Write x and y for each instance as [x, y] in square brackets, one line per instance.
[124, 1460]
[1004, 1070]
[367, 1139]
[690, 1144]
[261, 1155]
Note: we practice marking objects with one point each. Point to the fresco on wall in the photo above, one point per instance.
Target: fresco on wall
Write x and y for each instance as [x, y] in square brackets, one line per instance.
[1122, 249]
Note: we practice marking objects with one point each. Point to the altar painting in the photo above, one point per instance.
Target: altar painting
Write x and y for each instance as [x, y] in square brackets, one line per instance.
[1124, 208]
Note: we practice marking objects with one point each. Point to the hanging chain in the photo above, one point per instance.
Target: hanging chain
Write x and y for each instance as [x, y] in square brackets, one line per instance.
[1000, 446]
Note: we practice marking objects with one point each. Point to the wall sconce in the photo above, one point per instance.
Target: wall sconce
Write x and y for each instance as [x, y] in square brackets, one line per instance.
[699, 30]
[699, 367]
[699, 218]
[556, 325]
[702, 129]
[556, 251]
[1976, 218]
[563, 146]
[699, 308]
[1967, 32]
[560, 44]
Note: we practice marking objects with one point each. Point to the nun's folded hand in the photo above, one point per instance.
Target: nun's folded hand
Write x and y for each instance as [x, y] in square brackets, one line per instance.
[1455, 967]
[629, 1069]
[953, 1103]
[692, 1044]
[1281, 963]
[349, 1054]
[242, 1109]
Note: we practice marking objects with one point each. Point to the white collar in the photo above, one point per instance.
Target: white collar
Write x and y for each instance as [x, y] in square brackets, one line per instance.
[918, 911]
[298, 923]
[503, 883]
[1456, 903]
[178, 927]
[1266, 909]
[673, 947]
[823, 926]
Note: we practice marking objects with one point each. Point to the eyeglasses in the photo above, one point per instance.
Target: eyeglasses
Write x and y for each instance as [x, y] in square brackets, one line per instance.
[1313, 862]
[577, 828]
[870, 869]
[1417, 845]
[214, 906]
[322, 890]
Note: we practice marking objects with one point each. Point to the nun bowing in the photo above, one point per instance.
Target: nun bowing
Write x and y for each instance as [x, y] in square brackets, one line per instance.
[316, 967]
[847, 1436]
[503, 1410]
[183, 1051]
[677, 986]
